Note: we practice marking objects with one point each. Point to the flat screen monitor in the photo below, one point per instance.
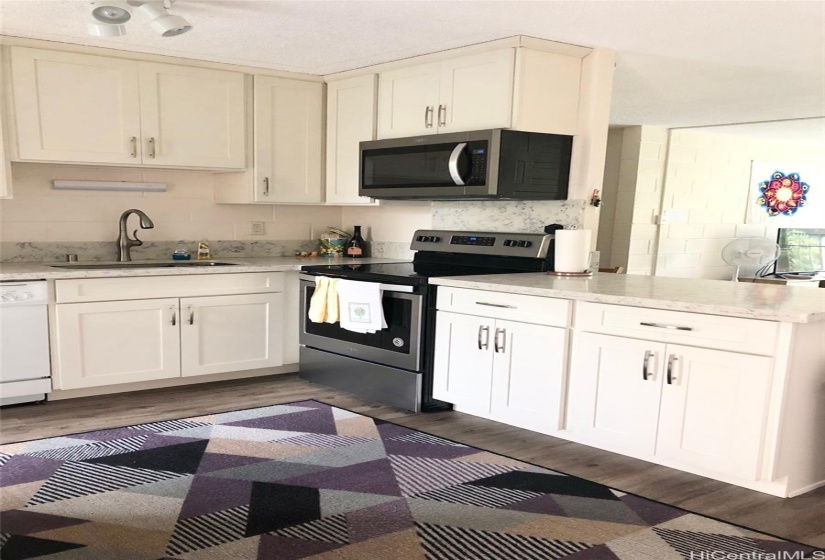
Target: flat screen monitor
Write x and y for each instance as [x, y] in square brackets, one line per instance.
[802, 250]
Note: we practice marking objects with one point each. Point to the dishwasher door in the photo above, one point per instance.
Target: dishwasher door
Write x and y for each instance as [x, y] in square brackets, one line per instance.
[24, 343]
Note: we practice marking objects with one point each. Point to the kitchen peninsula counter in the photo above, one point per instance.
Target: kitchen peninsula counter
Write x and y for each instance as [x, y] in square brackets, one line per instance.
[11, 271]
[713, 297]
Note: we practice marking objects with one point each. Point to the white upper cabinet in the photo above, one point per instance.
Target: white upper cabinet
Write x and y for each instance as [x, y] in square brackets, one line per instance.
[351, 106]
[5, 168]
[519, 88]
[75, 108]
[192, 117]
[78, 108]
[288, 140]
[476, 92]
[407, 100]
[464, 93]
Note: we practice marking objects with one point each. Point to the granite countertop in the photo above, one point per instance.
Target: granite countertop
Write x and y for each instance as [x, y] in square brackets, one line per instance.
[715, 297]
[10, 271]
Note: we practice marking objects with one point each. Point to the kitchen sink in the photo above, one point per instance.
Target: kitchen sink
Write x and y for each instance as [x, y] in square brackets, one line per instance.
[167, 264]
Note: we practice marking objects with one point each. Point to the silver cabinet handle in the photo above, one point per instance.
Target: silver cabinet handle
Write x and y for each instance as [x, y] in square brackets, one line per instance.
[266, 186]
[452, 165]
[672, 359]
[645, 364]
[151, 147]
[496, 305]
[442, 110]
[428, 117]
[174, 316]
[134, 146]
[191, 315]
[486, 344]
[661, 326]
[499, 348]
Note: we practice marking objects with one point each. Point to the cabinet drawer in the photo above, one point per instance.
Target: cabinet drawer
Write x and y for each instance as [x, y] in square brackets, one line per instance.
[502, 305]
[148, 287]
[693, 329]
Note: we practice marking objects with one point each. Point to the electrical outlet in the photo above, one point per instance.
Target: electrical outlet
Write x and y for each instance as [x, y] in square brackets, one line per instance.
[256, 228]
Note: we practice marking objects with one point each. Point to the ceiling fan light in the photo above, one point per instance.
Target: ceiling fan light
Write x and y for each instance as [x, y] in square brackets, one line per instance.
[163, 22]
[111, 14]
[170, 25]
[99, 29]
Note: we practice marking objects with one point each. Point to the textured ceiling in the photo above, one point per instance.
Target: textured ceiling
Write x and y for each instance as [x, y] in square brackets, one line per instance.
[680, 63]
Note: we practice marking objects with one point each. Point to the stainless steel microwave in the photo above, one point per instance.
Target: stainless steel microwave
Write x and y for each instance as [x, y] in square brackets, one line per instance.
[480, 165]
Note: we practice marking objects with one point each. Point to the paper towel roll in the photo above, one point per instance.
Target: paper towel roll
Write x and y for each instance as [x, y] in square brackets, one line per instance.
[572, 250]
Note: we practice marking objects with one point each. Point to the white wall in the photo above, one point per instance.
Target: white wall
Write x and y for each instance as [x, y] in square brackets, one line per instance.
[708, 179]
[631, 198]
[187, 211]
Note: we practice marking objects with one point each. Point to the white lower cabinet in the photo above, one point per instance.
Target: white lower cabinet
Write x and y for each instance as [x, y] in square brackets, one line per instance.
[101, 343]
[611, 404]
[507, 371]
[463, 362]
[713, 411]
[109, 342]
[677, 404]
[231, 333]
[528, 374]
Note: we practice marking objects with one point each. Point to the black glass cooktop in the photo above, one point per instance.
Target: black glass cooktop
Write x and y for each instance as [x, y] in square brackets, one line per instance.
[407, 272]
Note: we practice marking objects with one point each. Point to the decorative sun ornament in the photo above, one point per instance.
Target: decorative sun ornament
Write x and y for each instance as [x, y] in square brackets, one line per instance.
[782, 194]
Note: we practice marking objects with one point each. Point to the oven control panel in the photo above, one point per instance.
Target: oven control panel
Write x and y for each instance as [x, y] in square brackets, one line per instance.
[480, 241]
[534, 245]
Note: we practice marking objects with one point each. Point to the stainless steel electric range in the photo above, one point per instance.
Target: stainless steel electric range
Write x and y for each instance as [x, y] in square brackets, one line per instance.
[395, 365]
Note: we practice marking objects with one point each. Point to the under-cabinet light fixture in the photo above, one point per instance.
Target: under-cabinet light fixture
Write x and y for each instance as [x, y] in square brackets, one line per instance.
[108, 186]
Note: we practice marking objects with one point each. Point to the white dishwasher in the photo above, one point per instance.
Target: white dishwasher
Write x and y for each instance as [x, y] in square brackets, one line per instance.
[25, 373]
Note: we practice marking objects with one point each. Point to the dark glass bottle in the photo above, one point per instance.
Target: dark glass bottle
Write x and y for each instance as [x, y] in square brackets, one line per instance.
[356, 246]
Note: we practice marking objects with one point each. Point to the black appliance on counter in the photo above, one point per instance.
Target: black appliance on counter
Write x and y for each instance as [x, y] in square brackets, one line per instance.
[477, 165]
[395, 365]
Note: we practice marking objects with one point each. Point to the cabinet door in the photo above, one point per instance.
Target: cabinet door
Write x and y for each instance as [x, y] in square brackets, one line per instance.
[476, 92]
[75, 108]
[408, 101]
[192, 117]
[288, 140]
[231, 333]
[610, 404]
[528, 371]
[5, 167]
[463, 361]
[116, 342]
[713, 410]
[350, 120]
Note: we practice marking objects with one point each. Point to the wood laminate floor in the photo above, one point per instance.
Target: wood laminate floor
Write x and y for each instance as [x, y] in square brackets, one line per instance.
[801, 519]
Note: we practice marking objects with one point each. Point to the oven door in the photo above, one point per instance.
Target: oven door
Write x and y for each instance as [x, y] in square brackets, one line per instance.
[399, 345]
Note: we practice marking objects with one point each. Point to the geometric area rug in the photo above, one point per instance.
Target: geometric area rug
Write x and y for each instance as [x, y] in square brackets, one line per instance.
[309, 480]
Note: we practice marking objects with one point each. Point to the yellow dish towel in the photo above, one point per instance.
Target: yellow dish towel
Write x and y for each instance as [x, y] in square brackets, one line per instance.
[332, 301]
[318, 304]
[323, 306]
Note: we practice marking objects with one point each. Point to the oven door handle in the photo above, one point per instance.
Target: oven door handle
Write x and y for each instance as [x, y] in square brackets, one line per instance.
[384, 287]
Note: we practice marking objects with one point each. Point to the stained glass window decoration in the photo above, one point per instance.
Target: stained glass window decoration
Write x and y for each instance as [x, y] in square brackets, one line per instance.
[783, 194]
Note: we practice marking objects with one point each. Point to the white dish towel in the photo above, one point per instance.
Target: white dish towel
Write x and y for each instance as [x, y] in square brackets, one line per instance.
[359, 306]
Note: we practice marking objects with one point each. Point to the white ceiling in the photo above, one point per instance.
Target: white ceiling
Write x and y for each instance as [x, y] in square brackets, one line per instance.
[679, 63]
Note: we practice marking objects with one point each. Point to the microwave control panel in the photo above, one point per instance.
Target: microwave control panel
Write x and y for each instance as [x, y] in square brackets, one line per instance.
[478, 162]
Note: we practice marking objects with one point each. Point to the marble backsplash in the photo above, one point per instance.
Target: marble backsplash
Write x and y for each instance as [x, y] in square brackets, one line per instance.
[107, 250]
[523, 216]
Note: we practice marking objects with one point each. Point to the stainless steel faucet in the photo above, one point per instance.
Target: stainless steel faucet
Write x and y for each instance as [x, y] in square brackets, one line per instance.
[124, 242]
